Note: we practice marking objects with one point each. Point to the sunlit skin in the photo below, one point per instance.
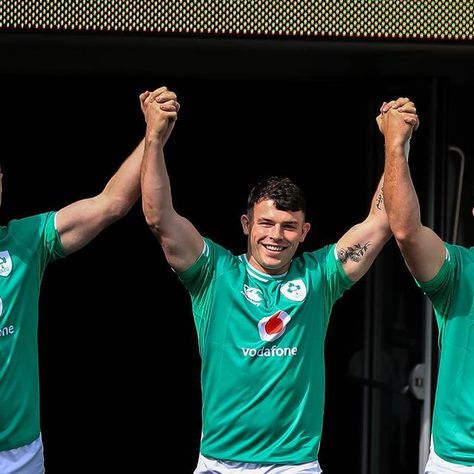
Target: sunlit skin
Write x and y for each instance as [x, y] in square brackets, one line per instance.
[273, 236]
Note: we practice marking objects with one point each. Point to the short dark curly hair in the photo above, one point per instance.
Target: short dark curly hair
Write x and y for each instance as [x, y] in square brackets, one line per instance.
[286, 195]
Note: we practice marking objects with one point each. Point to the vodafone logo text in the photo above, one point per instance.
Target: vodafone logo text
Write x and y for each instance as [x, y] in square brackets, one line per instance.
[270, 351]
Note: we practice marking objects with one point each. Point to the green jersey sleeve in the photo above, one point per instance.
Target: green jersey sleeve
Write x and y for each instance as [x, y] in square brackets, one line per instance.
[325, 263]
[200, 277]
[440, 289]
[40, 235]
[338, 281]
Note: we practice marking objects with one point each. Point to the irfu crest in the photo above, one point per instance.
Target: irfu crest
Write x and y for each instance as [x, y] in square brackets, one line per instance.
[5, 264]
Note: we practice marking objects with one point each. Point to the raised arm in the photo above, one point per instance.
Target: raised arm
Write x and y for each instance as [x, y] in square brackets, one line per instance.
[422, 249]
[359, 246]
[81, 221]
[181, 242]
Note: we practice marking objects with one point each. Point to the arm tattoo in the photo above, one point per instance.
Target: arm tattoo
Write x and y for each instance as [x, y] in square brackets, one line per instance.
[380, 200]
[354, 253]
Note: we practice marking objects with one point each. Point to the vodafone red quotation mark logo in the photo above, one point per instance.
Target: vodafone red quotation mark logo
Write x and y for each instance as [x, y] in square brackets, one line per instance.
[272, 327]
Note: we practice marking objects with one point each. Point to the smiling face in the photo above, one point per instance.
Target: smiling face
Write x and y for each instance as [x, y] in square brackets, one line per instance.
[273, 236]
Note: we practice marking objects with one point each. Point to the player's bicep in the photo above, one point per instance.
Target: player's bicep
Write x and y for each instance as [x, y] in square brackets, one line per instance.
[359, 246]
[80, 222]
[180, 240]
[424, 253]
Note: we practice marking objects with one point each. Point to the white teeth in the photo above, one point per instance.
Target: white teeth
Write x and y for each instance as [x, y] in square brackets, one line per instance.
[275, 248]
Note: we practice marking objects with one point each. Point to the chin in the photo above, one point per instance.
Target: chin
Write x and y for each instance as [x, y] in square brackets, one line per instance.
[274, 266]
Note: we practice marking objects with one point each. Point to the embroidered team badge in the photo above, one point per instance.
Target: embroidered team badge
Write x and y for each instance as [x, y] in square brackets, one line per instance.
[272, 327]
[254, 295]
[5, 263]
[294, 290]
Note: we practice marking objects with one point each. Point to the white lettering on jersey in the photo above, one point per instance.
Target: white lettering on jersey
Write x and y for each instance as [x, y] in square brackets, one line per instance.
[7, 330]
[274, 351]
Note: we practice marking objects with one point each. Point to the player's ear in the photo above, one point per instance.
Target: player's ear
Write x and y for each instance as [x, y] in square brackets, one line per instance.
[306, 227]
[245, 221]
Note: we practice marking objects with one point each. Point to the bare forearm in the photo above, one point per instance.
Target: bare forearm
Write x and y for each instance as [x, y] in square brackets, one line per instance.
[124, 187]
[359, 246]
[377, 206]
[401, 201]
[156, 189]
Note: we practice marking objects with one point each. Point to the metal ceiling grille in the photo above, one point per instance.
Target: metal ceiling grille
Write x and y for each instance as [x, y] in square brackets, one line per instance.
[378, 19]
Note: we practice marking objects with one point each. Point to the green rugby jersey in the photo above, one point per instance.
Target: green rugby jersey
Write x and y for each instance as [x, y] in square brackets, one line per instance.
[261, 340]
[452, 294]
[26, 247]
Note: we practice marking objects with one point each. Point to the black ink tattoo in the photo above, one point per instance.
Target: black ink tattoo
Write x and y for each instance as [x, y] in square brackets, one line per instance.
[380, 200]
[354, 253]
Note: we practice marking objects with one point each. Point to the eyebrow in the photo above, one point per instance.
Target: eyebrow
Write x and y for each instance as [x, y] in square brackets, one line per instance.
[266, 219]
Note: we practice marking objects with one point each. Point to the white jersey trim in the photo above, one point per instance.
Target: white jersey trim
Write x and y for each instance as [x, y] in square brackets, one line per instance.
[265, 277]
[437, 465]
[26, 459]
[213, 466]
